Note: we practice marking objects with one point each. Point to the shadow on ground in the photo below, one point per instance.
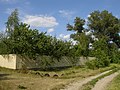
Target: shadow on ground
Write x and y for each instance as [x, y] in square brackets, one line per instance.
[5, 77]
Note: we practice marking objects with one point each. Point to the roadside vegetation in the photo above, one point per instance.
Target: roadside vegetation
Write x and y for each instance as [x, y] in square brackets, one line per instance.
[90, 84]
[115, 84]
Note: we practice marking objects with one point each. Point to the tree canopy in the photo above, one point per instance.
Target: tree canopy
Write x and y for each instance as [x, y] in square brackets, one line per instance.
[105, 24]
[104, 30]
[19, 38]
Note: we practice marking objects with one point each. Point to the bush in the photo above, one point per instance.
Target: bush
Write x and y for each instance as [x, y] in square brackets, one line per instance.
[98, 62]
[103, 61]
[92, 64]
[115, 57]
[102, 58]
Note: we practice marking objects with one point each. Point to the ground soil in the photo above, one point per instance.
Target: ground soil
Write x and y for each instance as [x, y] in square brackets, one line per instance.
[78, 84]
[101, 84]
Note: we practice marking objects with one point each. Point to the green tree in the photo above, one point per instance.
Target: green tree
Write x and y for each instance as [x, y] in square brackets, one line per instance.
[80, 36]
[105, 24]
[101, 53]
[106, 28]
[3, 47]
[44, 44]
[24, 39]
[11, 24]
[114, 53]
[13, 21]
[78, 25]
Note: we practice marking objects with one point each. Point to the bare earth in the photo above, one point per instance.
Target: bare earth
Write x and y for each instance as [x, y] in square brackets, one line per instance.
[78, 84]
[101, 84]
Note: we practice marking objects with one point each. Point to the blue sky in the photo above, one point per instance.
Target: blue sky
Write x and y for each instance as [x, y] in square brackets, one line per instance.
[53, 15]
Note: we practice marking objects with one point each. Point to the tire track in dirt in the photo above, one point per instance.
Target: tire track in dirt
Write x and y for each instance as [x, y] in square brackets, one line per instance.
[101, 84]
[78, 84]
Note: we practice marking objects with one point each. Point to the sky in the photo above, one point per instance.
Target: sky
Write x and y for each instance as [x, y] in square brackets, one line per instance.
[52, 16]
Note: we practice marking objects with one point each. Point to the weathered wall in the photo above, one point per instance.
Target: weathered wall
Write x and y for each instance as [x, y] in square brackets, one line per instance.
[24, 62]
[8, 61]
[13, 61]
[44, 61]
[83, 60]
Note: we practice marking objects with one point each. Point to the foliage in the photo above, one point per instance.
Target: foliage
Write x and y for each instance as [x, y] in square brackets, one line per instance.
[3, 46]
[80, 36]
[13, 21]
[92, 64]
[106, 28]
[32, 43]
[19, 38]
[78, 25]
[101, 52]
[105, 24]
[114, 54]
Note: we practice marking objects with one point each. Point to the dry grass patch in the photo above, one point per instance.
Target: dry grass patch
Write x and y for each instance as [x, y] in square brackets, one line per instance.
[37, 81]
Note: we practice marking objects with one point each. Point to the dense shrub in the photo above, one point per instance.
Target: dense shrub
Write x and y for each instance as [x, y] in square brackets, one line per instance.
[91, 64]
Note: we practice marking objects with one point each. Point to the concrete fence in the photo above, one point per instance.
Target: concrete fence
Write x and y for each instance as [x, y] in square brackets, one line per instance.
[8, 61]
[14, 61]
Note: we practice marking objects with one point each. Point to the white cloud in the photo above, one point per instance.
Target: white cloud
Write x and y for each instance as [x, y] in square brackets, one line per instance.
[40, 21]
[89, 15]
[88, 33]
[86, 19]
[66, 14]
[61, 35]
[64, 37]
[50, 30]
[67, 36]
[94, 38]
[73, 41]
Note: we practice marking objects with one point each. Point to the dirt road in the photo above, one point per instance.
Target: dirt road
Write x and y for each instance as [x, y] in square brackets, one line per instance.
[101, 84]
[78, 84]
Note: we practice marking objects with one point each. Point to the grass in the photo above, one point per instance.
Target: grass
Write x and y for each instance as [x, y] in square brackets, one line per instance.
[72, 73]
[114, 84]
[38, 81]
[91, 84]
